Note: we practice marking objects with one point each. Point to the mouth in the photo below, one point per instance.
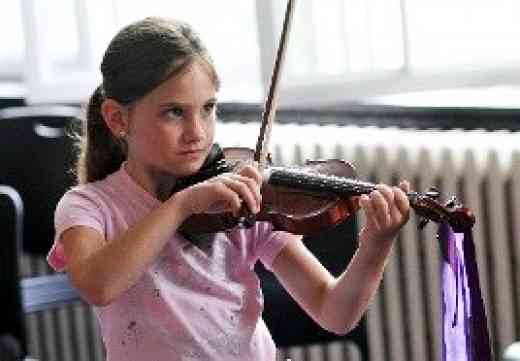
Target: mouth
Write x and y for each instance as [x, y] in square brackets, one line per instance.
[193, 151]
[194, 154]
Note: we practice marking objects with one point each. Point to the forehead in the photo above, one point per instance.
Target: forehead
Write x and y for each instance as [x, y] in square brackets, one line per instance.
[192, 85]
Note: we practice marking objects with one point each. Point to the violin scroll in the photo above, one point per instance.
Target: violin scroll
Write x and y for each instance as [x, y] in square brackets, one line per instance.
[429, 208]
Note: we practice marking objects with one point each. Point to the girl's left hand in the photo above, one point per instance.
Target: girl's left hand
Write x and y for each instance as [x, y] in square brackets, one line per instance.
[386, 209]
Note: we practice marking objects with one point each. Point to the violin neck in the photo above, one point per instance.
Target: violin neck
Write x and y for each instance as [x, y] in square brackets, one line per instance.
[317, 183]
[424, 204]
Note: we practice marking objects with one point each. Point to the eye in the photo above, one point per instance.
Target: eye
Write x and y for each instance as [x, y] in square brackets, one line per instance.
[174, 113]
[209, 108]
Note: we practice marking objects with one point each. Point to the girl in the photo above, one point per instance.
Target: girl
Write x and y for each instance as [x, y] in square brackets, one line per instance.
[157, 295]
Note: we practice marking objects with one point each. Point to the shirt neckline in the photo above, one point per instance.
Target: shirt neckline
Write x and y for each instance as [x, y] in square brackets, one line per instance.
[135, 188]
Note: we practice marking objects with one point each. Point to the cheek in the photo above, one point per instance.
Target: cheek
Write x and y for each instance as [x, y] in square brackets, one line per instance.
[211, 130]
[149, 138]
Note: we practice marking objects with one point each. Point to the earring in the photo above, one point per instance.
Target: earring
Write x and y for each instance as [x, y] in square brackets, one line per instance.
[122, 134]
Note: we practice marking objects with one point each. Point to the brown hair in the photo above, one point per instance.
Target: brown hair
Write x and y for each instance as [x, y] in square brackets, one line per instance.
[138, 59]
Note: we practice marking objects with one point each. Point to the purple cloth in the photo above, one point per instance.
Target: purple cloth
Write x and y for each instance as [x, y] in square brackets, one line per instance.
[464, 333]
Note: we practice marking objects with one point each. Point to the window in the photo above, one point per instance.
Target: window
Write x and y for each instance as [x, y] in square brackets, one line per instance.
[56, 68]
[469, 33]
[339, 51]
[356, 49]
[229, 30]
[70, 73]
[12, 49]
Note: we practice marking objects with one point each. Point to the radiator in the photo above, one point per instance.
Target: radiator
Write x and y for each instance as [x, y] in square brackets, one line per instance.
[481, 168]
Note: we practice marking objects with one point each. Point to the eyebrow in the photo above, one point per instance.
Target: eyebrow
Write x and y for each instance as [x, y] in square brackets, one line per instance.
[175, 103]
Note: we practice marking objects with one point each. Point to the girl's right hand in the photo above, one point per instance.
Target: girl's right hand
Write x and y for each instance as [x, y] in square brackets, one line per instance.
[224, 193]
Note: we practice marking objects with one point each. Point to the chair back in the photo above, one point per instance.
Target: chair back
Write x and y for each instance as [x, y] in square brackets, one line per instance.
[36, 158]
[11, 221]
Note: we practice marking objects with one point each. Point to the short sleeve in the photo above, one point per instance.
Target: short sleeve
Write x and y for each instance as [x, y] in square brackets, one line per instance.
[269, 243]
[76, 208]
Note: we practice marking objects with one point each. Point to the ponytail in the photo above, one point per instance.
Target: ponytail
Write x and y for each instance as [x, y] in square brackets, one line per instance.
[100, 152]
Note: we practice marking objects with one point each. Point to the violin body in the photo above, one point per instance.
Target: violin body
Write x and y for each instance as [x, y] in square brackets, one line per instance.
[291, 209]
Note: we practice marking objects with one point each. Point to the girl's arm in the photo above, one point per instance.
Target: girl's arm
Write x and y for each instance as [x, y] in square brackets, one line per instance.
[337, 304]
[103, 270]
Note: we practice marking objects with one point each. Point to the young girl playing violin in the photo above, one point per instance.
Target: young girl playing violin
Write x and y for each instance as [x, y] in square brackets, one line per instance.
[157, 295]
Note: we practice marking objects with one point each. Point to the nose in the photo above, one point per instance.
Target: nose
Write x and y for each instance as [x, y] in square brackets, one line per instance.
[194, 130]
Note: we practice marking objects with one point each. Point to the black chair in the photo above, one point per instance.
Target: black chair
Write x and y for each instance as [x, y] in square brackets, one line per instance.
[27, 295]
[35, 159]
[10, 349]
[36, 156]
[288, 323]
[12, 330]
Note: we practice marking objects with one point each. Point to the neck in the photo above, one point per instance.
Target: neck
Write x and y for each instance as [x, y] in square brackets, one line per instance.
[157, 183]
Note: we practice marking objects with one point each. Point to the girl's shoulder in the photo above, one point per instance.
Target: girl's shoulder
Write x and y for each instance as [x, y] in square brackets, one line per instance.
[94, 193]
[115, 196]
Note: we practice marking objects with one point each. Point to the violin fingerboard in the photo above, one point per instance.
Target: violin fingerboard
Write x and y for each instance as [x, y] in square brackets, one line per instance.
[315, 182]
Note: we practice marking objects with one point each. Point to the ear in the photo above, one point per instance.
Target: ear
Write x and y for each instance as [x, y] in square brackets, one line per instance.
[115, 116]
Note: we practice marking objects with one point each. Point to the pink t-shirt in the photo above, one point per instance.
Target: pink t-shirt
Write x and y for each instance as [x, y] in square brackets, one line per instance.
[191, 303]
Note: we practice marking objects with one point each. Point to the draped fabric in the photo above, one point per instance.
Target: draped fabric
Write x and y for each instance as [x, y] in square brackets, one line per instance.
[464, 332]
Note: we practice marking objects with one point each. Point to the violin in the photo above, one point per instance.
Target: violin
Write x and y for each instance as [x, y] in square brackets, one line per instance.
[307, 199]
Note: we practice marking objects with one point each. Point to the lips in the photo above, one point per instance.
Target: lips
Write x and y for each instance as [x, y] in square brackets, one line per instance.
[192, 152]
[191, 155]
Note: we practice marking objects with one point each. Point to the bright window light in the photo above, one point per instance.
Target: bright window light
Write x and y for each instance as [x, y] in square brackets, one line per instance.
[12, 49]
[342, 51]
[229, 30]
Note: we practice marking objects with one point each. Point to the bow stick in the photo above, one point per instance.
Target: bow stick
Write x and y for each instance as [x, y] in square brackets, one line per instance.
[268, 115]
